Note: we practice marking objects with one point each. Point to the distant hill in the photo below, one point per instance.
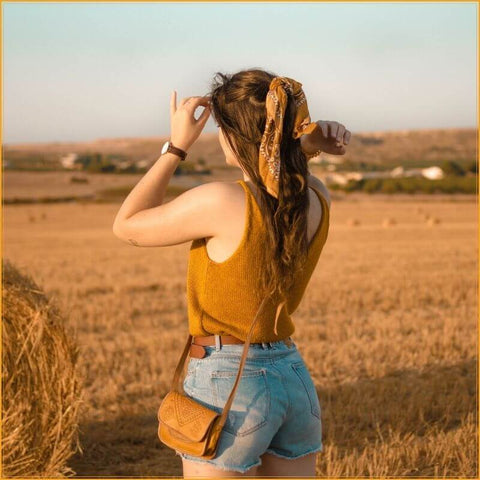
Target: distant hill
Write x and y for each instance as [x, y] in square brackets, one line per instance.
[384, 148]
[413, 147]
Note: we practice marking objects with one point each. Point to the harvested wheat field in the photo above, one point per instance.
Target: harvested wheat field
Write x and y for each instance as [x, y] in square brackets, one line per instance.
[387, 327]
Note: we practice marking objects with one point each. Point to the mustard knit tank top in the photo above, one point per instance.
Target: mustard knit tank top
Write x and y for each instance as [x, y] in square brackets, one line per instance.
[220, 296]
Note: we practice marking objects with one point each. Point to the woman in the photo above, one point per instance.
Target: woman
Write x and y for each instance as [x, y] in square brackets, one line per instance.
[258, 236]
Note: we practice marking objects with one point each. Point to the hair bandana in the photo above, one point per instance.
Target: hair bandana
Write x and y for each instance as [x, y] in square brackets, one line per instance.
[276, 103]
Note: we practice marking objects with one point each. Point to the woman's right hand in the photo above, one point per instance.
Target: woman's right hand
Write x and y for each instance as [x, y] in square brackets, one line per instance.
[328, 138]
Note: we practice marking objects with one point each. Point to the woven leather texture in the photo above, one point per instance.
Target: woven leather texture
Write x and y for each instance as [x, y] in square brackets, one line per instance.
[188, 426]
[185, 415]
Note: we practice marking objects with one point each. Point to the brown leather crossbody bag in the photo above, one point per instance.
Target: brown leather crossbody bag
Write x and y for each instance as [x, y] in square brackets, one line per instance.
[188, 426]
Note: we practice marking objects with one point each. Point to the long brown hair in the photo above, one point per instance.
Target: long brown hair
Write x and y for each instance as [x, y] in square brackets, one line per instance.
[238, 107]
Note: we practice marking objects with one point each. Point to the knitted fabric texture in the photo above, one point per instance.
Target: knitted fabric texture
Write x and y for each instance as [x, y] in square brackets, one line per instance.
[220, 295]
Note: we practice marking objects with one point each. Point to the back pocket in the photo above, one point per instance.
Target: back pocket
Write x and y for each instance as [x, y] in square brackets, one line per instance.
[251, 404]
[306, 380]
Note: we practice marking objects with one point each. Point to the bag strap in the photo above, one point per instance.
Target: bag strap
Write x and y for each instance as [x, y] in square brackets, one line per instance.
[176, 385]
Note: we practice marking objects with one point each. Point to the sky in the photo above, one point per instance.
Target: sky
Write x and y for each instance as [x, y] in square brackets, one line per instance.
[83, 71]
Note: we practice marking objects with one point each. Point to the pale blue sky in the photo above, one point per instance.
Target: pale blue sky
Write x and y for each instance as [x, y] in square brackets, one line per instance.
[81, 71]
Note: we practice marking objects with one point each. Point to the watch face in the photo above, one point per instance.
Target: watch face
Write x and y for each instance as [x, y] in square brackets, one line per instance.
[165, 147]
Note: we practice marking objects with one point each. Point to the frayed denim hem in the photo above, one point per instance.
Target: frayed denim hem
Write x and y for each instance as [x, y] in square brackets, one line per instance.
[219, 466]
[273, 452]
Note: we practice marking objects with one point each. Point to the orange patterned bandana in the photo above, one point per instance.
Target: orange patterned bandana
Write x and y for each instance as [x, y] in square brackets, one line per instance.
[276, 103]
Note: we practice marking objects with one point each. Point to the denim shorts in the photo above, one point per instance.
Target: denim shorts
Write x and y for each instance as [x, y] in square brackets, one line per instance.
[275, 409]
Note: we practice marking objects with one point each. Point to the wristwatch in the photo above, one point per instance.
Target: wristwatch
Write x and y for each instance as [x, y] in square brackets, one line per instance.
[168, 147]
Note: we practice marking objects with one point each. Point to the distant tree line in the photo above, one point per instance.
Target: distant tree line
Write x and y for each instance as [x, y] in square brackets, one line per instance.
[104, 163]
[460, 177]
[101, 163]
[451, 167]
[448, 184]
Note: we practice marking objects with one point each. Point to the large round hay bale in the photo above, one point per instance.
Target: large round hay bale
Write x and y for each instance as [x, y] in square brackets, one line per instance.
[40, 384]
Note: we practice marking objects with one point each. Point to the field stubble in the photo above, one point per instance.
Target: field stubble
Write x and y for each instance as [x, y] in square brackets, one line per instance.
[387, 327]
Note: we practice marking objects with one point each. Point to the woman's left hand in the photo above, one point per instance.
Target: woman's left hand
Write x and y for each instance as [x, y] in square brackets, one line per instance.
[184, 129]
[328, 138]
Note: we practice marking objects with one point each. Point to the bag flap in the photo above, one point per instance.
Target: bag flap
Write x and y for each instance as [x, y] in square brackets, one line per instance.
[185, 415]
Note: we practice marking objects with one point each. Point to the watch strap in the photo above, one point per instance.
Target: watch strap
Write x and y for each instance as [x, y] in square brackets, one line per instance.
[176, 151]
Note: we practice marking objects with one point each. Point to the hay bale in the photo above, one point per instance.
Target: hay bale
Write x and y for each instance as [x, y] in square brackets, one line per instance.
[353, 222]
[41, 386]
[388, 222]
[433, 221]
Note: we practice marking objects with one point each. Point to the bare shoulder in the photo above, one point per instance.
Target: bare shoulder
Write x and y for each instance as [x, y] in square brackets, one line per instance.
[213, 193]
[228, 191]
[199, 212]
[219, 199]
[317, 183]
[217, 187]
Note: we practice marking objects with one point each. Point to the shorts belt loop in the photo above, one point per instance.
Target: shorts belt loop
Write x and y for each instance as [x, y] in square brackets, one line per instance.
[218, 344]
[264, 345]
[271, 344]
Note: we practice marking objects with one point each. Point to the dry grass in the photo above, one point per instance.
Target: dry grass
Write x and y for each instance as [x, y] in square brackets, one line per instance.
[22, 187]
[389, 222]
[352, 222]
[433, 221]
[40, 386]
[387, 327]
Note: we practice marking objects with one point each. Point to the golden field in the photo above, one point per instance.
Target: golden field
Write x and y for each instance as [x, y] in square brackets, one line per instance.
[387, 327]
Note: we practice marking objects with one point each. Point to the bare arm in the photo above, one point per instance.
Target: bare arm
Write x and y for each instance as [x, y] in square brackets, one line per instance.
[197, 213]
[144, 219]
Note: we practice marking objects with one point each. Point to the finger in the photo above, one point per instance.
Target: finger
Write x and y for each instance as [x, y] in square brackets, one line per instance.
[186, 101]
[340, 132]
[195, 102]
[324, 127]
[173, 103]
[346, 138]
[338, 150]
[333, 129]
[202, 119]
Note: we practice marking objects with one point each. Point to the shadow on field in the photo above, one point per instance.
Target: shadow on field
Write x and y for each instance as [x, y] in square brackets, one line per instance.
[124, 446]
[403, 402]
